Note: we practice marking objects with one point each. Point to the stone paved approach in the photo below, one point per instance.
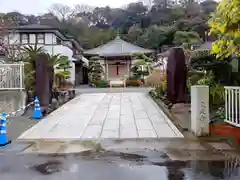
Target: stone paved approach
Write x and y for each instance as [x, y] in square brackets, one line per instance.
[105, 115]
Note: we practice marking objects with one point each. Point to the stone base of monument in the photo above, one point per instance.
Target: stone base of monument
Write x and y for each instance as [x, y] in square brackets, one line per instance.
[55, 104]
[60, 98]
[71, 94]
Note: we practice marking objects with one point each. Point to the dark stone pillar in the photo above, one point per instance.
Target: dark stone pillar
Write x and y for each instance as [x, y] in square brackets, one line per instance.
[51, 80]
[43, 81]
[176, 76]
[130, 66]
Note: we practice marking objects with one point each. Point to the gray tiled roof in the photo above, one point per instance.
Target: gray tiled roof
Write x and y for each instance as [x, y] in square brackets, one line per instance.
[117, 47]
[206, 46]
[37, 26]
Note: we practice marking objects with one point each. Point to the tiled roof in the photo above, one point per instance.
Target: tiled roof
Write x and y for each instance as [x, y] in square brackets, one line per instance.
[117, 47]
[206, 46]
[37, 26]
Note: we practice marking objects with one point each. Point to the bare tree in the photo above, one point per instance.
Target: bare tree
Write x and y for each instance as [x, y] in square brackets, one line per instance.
[8, 46]
[83, 8]
[63, 12]
[4, 31]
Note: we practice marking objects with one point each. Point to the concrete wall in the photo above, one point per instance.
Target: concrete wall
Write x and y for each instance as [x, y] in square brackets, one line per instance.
[11, 101]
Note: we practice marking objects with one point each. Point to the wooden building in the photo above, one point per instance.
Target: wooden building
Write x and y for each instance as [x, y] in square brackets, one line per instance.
[116, 58]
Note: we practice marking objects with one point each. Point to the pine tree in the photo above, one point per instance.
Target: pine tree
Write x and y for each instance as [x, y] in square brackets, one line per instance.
[95, 70]
[63, 64]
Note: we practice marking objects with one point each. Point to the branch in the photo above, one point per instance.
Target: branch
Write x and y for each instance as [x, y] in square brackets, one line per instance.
[63, 12]
[6, 29]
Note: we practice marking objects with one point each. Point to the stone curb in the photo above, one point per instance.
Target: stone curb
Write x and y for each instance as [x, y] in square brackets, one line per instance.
[170, 123]
[167, 113]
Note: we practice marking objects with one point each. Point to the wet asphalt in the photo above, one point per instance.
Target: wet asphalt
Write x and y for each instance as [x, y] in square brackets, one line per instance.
[112, 165]
[129, 160]
[132, 163]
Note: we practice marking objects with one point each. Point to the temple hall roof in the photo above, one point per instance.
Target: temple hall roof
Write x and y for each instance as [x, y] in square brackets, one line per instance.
[117, 47]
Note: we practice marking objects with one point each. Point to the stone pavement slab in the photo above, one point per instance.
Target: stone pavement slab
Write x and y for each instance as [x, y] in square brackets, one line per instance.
[104, 115]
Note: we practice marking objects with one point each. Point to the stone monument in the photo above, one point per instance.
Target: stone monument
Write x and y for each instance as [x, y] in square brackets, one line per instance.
[43, 81]
[51, 79]
[176, 77]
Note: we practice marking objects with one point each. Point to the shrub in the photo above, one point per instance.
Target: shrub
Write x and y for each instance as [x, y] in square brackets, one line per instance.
[59, 80]
[102, 84]
[164, 82]
[158, 80]
[194, 77]
[216, 90]
[220, 113]
[158, 93]
[134, 83]
[154, 79]
[64, 74]
[94, 71]
[134, 77]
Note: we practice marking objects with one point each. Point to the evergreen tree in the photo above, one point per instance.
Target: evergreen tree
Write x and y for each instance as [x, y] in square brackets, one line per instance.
[95, 70]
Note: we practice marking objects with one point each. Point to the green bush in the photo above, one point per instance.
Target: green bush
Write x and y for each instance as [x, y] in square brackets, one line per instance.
[220, 113]
[94, 71]
[158, 93]
[102, 84]
[194, 77]
[216, 91]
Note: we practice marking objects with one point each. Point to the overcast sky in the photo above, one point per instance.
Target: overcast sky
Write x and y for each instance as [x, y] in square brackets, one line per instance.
[41, 6]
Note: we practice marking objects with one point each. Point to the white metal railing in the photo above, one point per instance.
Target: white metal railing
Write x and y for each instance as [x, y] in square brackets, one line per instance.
[232, 105]
[11, 76]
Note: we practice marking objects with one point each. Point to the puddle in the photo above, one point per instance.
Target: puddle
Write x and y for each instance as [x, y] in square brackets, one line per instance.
[49, 167]
[131, 157]
[137, 165]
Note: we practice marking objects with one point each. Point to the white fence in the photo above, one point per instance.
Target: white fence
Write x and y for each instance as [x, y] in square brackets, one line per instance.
[232, 105]
[11, 76]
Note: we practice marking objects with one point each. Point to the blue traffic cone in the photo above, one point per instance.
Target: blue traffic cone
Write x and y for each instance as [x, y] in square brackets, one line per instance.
[3, 131]
[37, 110]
